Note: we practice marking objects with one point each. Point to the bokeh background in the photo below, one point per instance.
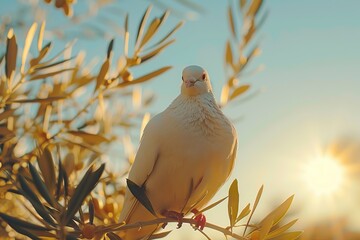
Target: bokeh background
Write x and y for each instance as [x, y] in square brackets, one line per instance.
[303, 106]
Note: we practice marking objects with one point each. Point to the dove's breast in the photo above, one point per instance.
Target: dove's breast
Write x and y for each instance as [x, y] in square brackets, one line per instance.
[193, 163]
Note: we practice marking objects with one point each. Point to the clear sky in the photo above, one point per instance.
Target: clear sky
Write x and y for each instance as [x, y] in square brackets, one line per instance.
[309, 93]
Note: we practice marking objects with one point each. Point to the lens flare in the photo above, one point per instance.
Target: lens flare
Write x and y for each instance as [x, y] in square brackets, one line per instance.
[324, 175]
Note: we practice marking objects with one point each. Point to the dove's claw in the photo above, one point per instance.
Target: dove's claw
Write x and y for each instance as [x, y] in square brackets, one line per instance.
[175, 215]
[200, 220]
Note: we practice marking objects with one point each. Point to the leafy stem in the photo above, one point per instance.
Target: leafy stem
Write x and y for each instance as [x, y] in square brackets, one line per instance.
[191, 221]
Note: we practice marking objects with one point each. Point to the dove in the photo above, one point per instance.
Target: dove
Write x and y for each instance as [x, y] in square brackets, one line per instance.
[186, 154]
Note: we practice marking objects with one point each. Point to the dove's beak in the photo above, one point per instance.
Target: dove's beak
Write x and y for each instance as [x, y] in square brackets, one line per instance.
[189, 82]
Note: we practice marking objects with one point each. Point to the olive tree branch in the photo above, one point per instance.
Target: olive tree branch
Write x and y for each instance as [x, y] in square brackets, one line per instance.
[158, 221]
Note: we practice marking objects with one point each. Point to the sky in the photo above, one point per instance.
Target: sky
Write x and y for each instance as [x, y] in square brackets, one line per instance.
[308, 94]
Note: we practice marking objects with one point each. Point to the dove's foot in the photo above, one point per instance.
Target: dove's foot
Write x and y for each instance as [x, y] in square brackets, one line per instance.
[200, 219]
[174, 215]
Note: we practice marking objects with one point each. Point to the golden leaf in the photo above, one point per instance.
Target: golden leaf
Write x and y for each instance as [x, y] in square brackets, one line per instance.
[89, 137]
[49, 65]
[46, 119]
[7, 113]
[224, 95]
[277, 214]
[249, 34]
[46, 165]
[145, 77]
[242, 3]
[238, 91]
[244, 213]
[257, 199]
[45, 75]
[231, 21]
[288, 236]
[41, 35]
[211, 205]
[126, 37]
[142, 26]
[281, 229]
[42, 53]
[28, 41]
[228, 54]
[11, 53]
[156, 51]
[233, 203]
[42, 100]
[136, 97]
[101, 76]
[254, 7]
[169, 34]
[5, 135]
[265, 229]
[152, 29]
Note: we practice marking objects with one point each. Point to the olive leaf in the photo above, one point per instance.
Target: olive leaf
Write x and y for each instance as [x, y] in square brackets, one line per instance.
[140, 194]
[86, 185]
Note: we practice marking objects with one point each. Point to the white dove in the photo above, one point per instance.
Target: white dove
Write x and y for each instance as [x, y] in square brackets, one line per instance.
[186, 154]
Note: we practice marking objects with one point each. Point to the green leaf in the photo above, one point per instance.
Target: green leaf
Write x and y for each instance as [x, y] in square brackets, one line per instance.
[86, 185]
[21, 223]
[24, 232]
[40, 185]
[91, 211]
[140, 194]
[110, 48]
[59, 180]
[34, 200]
[233, 203]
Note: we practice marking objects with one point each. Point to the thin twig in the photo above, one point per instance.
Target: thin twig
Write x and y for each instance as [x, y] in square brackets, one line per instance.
[158, 221]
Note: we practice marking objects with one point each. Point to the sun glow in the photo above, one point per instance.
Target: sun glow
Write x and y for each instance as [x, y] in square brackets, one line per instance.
[324, 175]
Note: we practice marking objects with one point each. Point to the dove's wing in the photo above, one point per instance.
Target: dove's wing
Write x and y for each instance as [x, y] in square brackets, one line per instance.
[144, 163]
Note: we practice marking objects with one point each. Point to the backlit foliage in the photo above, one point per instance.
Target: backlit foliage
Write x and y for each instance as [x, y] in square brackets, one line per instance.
[58, 118]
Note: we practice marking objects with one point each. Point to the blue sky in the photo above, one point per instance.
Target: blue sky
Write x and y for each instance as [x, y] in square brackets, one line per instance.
[309, 89]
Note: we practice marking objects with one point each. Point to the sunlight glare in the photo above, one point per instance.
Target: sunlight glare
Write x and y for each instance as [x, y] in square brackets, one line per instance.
[324, 175]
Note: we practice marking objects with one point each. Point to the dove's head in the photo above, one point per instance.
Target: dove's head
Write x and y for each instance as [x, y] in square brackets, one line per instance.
[196, 81]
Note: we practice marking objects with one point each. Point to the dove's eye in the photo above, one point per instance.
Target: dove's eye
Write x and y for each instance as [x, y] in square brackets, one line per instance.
[204, 76]
[182, 77]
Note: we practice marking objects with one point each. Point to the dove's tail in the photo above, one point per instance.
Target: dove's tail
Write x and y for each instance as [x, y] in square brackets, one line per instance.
[136, 213]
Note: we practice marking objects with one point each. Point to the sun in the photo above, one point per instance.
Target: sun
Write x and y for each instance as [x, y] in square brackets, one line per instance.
[324, 175]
